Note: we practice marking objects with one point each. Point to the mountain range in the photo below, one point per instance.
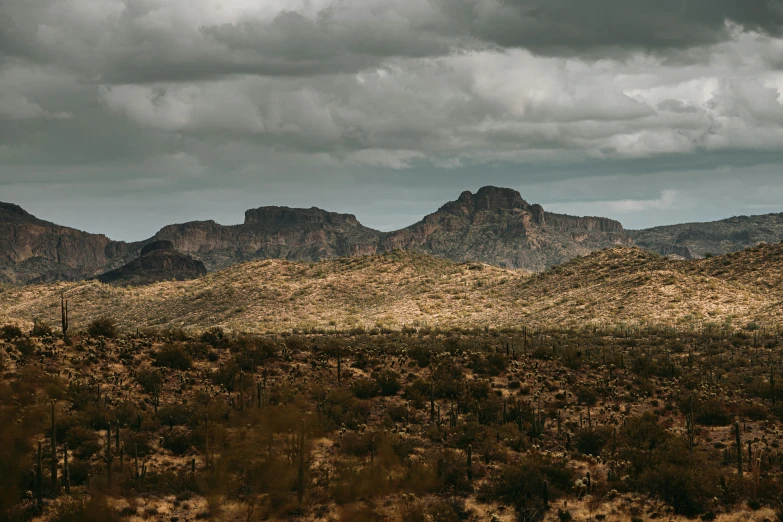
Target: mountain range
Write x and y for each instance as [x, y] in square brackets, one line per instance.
[494, 226]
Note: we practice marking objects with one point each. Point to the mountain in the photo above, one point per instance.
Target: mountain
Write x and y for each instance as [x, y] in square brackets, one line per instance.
[620, 286]
[157, 261]
[494, 226]
[696, 240]
[273, 232]
[33, 250]
[498, 227]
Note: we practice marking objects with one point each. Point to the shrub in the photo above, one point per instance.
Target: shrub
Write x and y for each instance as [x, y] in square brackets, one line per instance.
[388, 382]
[41, 329]
[150, 380]
[215, 337]
[10, 332]
[102, 327]
[592, 441]
[172, 356]
[365, 388]
[522, 485]
[94, 509]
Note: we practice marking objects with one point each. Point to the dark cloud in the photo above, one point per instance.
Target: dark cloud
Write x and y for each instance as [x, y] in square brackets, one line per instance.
[167, 110]
[573, 27]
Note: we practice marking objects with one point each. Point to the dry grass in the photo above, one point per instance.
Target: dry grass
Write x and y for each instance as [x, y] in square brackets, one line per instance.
[624, 285]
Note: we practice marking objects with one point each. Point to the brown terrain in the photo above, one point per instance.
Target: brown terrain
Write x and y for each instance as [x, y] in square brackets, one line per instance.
[633, 422]
[396, 289]
[397, 386]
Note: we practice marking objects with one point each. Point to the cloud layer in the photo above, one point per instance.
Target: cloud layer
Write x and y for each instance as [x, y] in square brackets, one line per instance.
[181, 97]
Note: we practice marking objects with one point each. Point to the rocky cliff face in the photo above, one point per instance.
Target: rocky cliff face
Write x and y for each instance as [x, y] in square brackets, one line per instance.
[695, 240]
[157, 261]
[273, 232]
[33, 250]
[495, 225]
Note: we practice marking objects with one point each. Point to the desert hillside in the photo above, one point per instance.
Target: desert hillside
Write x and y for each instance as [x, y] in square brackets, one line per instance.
[397, 289]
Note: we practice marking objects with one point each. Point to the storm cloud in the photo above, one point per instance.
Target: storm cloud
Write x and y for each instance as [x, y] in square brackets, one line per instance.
[153, 111]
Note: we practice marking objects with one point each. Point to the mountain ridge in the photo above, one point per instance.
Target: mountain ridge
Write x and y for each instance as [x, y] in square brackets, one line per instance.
[494, 225]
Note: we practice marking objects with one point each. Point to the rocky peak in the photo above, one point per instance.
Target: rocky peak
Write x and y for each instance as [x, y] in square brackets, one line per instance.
[297, 216]
[487, 198]
[10, 211]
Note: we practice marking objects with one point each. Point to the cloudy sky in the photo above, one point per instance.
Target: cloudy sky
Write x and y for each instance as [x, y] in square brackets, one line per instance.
[120, 116]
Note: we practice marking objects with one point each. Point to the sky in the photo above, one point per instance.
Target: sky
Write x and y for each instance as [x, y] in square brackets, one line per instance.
[122, 116]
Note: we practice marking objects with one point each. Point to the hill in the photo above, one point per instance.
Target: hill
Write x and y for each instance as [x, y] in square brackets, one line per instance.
[695, 240]
[396, 289]
[157, 261]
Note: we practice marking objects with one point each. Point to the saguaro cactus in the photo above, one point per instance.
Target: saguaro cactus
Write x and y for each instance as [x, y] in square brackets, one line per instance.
[545, 494]
[64, 316]
[470, 462]
[54, 451]
[339, 366]
[739, 448]
[39, 477]
[432, 400]
[300, 481]
[108, 458]
[66, 470]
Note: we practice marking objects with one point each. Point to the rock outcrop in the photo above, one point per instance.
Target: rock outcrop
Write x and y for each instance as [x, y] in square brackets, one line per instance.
[495, 225]
[33, 250]
[158, 261]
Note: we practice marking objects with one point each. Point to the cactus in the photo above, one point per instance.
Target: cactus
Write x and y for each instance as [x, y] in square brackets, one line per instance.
[136, 460]
[470, 462]
[432, 400]
[545, 494]
[117, 438]
[39, 477]
[66, 470]
[206, 442]
[155, 400]
[339, 366]
[54, 451]
[372, 455]
[241, 390]
[589, 482]
[122, 459]
[690, 426]
[739, 448]
[300, 481]
[64, 316]
[750, 456]
[108, 458]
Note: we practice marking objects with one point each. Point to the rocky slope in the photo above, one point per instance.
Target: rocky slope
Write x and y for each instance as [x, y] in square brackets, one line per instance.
[33, 250]
[695, 240]
[497, 226]
[273, 232]
[158, 261]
